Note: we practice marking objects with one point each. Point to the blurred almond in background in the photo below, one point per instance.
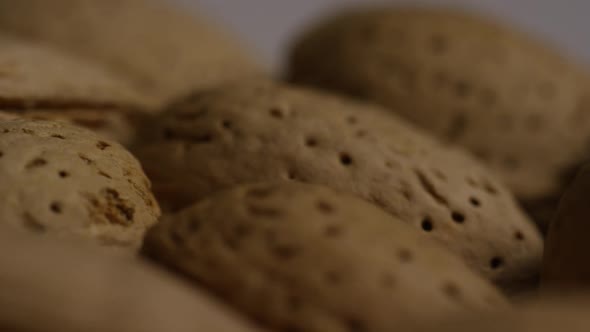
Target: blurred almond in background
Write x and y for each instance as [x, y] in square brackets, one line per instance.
[164, 51]
[271, 24]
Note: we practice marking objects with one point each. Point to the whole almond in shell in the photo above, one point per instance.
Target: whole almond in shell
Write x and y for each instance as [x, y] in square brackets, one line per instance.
[39, 82]
[513, 101]
[163, 50]
[66, 181]
[48, 286]
[266, 132]
[302, 257]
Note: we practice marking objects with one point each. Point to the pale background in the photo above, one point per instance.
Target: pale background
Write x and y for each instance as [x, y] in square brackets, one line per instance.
[269, 25]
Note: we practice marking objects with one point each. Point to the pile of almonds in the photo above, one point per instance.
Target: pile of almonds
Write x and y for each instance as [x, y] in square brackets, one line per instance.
[415, 170]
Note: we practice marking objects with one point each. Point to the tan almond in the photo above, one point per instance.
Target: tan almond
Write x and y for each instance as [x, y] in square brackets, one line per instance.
[513, 101]
[307, 258]
[37, 81]
[48, 286]
[66, 181]
[163, 50]
[263, 131]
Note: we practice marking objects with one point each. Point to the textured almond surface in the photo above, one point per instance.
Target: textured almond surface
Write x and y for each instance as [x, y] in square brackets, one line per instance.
[39, 82]
[265, 132]
[568, 249]
[164, 51]
[307, 258]
[63, 180]
[47, 286]
[507, 98]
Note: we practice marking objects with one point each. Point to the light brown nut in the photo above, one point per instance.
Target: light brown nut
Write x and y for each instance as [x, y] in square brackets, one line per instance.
[568, 250]
[265, 132]
[39, 82]
[67, 181]
[163, 50]
[512, 101]
[50, 286]
[307, 258]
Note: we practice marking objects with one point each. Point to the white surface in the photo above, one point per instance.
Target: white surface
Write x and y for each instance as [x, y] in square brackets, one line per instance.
[270, 25]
